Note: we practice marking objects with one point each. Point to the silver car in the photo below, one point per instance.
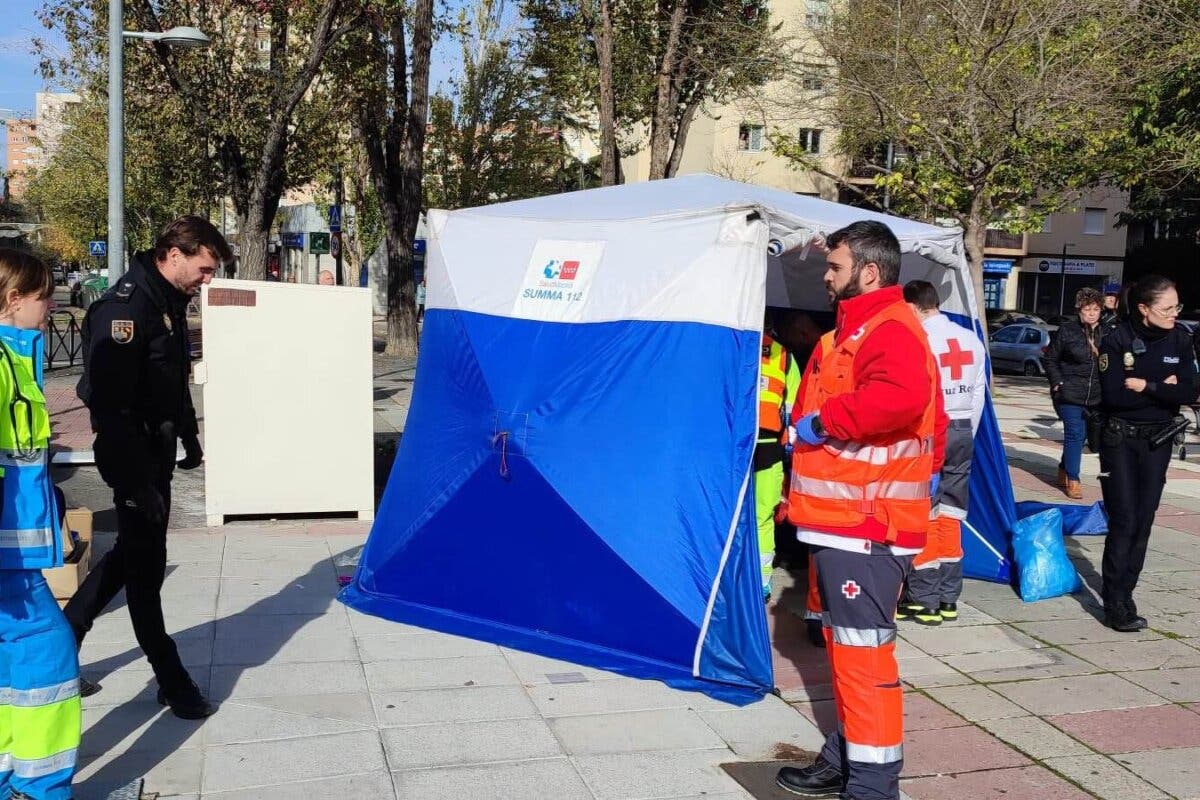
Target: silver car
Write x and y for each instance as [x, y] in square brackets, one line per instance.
[1020, 348]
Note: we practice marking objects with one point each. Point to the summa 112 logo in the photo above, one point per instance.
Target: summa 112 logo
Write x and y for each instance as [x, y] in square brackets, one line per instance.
[561, 270]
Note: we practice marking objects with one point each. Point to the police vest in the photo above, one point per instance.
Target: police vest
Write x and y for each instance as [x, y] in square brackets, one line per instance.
[839, 485]
[29, 532]
[772, 385]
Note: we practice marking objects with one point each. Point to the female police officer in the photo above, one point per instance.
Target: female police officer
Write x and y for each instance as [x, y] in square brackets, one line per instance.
[1146, 372]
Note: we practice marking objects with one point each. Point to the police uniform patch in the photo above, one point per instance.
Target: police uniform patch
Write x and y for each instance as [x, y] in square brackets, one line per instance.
[122, 331]
[1103, 362]
[1128, 358]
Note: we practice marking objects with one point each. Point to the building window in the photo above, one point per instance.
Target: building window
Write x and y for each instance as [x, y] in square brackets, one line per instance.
[810, 140]
[750, 138]
[1093, 221]
[816, 13]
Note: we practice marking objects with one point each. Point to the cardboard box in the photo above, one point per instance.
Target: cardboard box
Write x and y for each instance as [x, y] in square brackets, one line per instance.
[66, 579]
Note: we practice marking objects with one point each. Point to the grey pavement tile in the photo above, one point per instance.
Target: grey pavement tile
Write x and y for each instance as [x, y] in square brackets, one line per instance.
[975, 702]
[1187, 579]
[105, 656]
[1011, 665]
[1173, 601]
[635, 731]
[369, 786]
[293, 639]
[1076, 694]
[1085, 630]
[946, 641]
[352, 707]
[401, 647]
[174, 773]
[181, 573]
[925, 671]
[546, 779]
[440, 673]
[1129, 656]
[533, 669]
[603, 697]
[1104, 778]
[245, 766]
[136, 727]
[132, 684]
[1187, 625]
[970, 615]
[462, 743]
[1176, 544]
[236, 724]
[267, 567]
[1176, 771]
[757, 730]
[652, 775]
[1013, 609]
[1176, 685]
[366, 625]
[287, 601]
[1035, 737]
[470, 704]
[275, 680]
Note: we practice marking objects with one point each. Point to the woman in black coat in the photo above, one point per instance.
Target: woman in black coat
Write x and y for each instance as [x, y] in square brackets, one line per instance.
[1071, 365]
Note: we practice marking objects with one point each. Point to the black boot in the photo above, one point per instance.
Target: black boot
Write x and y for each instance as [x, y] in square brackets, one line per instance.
[1121, 616]
[187, 702]
[1135, 618]
[821, 779]
[88, 688]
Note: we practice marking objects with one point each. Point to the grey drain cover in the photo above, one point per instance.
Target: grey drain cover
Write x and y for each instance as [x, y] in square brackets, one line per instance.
[566, 677]
[758, 777]
[132, 791]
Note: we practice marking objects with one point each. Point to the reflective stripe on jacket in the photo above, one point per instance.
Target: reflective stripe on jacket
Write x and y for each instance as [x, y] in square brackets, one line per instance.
[772, 385]
[839, 485]
[29, 532]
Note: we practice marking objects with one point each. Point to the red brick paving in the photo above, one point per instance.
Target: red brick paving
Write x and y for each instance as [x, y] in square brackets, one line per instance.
[1002, 784]
[924, 714]
[936, 752]
[70, 423]
[1132, 729]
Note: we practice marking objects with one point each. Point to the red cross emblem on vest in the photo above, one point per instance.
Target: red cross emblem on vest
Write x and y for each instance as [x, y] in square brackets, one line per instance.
[851, 590]
[955, 359]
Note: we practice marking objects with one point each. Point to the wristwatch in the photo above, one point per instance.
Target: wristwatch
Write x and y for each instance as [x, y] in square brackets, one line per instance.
[817, 427]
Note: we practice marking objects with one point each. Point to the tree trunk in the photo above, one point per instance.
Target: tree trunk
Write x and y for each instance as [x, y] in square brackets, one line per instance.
[254, 230]
[681, 134]
[609, 157]
[974, 237]
[666, 96]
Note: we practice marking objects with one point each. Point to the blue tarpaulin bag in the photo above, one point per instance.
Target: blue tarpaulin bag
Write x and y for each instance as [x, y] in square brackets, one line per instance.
[1044, 568]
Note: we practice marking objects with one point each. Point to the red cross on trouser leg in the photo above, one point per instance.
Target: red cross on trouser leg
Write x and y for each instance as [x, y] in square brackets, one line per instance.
[955, 359]
[858, 594]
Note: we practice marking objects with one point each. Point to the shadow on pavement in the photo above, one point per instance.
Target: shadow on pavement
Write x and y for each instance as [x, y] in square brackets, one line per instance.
[166, 734]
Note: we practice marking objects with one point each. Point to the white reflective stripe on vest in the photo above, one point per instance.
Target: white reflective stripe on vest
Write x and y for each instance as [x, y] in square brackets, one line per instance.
[33, 537]
[877, 455]
[836, 490]
[866, 754]
[863, 637]
[44, 696]
[8, 458]
[39, 767]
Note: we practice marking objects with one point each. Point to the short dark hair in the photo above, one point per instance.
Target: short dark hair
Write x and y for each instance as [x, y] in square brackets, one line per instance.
[1087, 296]
[921, 294]
[870, 242]
[1148, 289]
[189, 234]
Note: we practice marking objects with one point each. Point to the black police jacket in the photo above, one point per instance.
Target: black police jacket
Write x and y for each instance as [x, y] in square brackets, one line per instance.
[135, 376]
[1132, 350]
[1071, 364]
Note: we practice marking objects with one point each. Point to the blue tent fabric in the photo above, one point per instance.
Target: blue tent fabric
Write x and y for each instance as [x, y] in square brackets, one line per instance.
[513, 426]
[1078, 520]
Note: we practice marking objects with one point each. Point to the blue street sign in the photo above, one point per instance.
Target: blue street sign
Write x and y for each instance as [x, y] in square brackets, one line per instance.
[335, 218]
[295, 240]
[98, 248]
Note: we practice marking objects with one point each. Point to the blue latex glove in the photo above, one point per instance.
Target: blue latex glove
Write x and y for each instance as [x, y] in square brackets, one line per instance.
[934, 483]
[805, 432]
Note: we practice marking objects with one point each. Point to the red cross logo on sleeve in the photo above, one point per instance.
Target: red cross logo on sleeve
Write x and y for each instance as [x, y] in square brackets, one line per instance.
[851, 590]
[955, 359]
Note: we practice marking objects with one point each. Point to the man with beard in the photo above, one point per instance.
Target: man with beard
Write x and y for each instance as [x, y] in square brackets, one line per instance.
[135, 384]
[864, 434]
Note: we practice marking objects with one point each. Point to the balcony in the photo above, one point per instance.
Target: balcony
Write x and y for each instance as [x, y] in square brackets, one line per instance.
[1003, 242]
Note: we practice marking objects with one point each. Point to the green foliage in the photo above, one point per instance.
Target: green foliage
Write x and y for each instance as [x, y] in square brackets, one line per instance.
[493, 136]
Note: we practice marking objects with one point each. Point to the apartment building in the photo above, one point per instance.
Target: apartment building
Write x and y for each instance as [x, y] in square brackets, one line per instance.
[32, 142]
[22, 147]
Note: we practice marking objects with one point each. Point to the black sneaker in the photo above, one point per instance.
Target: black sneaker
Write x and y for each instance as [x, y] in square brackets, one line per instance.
[1122, 617]
[88, 688]
[187, 702]
[927, 616]
[949, 612]
[821, 779]
[908, 610]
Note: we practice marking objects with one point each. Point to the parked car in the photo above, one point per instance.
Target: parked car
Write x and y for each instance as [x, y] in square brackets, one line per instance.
[997, 318]
[1020, 348]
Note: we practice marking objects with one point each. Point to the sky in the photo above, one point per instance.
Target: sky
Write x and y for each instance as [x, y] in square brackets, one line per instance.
[19, 78]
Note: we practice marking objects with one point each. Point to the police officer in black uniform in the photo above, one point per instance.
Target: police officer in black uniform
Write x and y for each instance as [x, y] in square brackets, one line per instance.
[135, 383]
[1146, 373]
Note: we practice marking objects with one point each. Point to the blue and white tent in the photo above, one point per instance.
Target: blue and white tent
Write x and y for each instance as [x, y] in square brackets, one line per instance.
[575, 473]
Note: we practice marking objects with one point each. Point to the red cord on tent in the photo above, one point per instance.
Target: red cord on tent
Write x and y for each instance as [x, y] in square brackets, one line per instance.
[502, 437]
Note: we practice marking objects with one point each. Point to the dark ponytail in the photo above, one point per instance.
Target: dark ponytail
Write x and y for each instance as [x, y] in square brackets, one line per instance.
[1147, 291]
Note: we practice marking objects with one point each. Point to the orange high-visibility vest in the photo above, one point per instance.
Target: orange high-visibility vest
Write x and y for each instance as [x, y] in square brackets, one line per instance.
[841, 484]
[772, 385]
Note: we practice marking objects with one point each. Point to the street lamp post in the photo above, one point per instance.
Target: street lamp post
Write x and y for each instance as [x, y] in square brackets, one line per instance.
[179, 37]
[1062, 289]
